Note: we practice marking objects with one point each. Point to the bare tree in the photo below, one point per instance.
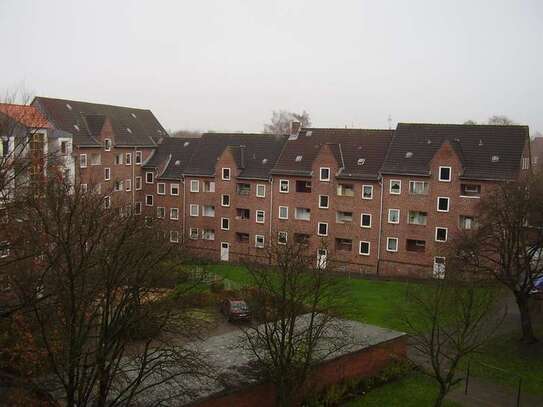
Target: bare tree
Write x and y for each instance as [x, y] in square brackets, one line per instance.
[470, 122]
[500, 120]
[296, 299]
[280, 121]
[508, 242]
[450, 320]
[89, 276]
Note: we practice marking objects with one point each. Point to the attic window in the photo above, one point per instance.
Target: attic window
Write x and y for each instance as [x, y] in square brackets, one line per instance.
[68, 106]
[128, 129]
[308, 133]
[429, 141]
[480, 143]
[76, 127]
[409, 154]
[133, 115]
[178, 162]
[186, 143]
[495, 158]
[361, 161]
[298, 158]
[265, 161]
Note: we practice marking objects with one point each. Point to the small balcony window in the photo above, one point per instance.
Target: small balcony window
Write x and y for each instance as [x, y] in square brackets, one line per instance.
[417, 218]
[413, 245]
[303, 186]
[242, 237]
[471, 190]
[344, 217]
[208, 234]
[302, 214]
[345, 190]
[208, 210]
[243, 214]
[467, 222]
[243, 189]
[418, 187]
[209, 186]
[345, 245]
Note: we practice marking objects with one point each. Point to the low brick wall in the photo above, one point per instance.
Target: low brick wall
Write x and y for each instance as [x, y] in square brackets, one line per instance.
[364, 363]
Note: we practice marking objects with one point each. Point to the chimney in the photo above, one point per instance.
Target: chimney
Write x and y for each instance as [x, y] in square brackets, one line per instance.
[295, 128]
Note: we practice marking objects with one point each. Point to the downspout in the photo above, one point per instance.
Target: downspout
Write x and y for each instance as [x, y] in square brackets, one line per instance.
[133, 186]
[270, 215]
[184, 215]
[381, 185]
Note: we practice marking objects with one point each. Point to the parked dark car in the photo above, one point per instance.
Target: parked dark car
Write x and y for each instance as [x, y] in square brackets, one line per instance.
[235, 310]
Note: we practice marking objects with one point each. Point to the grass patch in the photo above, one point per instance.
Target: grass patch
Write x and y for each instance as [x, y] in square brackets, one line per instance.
[412, 391]
[237, 274]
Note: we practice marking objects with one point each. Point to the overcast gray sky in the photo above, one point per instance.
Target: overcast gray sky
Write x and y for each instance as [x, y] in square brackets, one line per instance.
[225, 65]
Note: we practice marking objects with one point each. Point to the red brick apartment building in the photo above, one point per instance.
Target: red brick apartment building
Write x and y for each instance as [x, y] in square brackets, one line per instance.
[537, 153]
[376, 201]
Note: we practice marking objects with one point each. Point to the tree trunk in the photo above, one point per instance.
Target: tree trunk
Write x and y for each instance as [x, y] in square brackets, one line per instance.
[525, 319]
[441, 396]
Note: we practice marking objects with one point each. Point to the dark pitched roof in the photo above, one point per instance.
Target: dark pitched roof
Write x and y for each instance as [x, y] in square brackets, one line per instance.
[359, 152]
[475, 145]
[133, 127]
[537, 147]
[255, 154]
[174, 155]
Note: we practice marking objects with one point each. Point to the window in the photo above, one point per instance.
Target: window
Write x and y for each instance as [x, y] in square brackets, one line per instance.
[302, 213]
[260, 216]
[138, 208]
[209, 186]
[82, 160]
[128, 185]
[193, 233]
[283, 212]
[226, 174]
[107, 144]
[365, 220]
[174, 189]
[344, 245]
[259, 241]
[441, 234]
[394, 216]
[194, 185]
[119, 159]
[367, 191]
[225, 223]
[174, 214]
[445, 174]
[417, 218]
[243, 214]
[303, 186]
[174, 236]
[413, 245]
[84, 188]
[138, 159]
[95, 159]
[439, 267]
[243, 189]
[138, 183]
[107, 174]
[194, 210]
[149, 177]
[322, 229]
[225, 200]
[283, 186]
[4, 249]
[395, 187]
[160, 212]
[324, 174]
[323, 201]
[161, 188]
[208, 211]
[242, 237]
[118, 186]
[282, 237]
[418, 187]
[208, 234]
[345, 190]
[260, 190]
[442, 204]
[467, 222]
[63, 147]
[128, 159]
[107, 202]
[364, 248]
[149, 200]
[525, 163]
[344, 217]
[470, 190]
[392, 244]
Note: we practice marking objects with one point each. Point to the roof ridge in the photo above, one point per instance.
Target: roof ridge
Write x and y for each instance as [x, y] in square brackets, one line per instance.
[91, 103]
[460, 124]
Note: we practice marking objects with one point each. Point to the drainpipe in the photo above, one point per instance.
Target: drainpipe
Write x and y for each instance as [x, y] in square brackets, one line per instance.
[270, 215]
[381, 184]
[133, 186]
[184, 216]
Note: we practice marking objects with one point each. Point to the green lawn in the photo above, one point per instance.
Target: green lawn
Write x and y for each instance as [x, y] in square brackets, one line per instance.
[415, 390]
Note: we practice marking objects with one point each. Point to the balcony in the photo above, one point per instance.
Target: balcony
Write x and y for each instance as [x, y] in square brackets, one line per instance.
[345, 190]
[302, 214]
[243, 189]
[242, 237]
[344, 217]
[303, 186]
[412, 245]
[243, 214]
[344, 245]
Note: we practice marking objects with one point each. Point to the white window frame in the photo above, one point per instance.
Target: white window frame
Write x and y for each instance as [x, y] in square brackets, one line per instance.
[287, 183]
[222, 200]
[138, 160]
[193, 236]
[319, 228]
[152, 177]
[138, 208]
[172, 217]
[328, 201]
[194, 185]
[128, 159]
[321, 178]
[140, 183]
[360, 248]
[222, 224]
[414, 182]
[279, 214]
[107, 174]
[107, 202]
[226, 178]
[152, 200]
[446, 234]
[450, 173]
[263, 186]
[362, 223]
[128, 185]
[160, 209]
[371, 189]
[263, 216]
[119, 159]
[389, 239]
[172, 186]
[174, 236]
[448, 204]
[261, 246]
[286, 237]
[107, 144]
[399, 181]
[192, 212]
[158, 185]
[388, 217]
[83, 158]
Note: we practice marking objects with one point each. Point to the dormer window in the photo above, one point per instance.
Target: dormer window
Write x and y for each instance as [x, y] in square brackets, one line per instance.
[226, 174]
[107, 144]
[495, 158]
[325, 174]
[445, 174]
[409, 154]
[361, 161]
[298, 158]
